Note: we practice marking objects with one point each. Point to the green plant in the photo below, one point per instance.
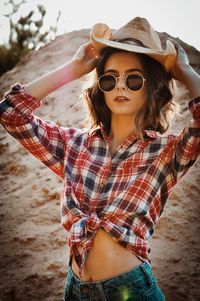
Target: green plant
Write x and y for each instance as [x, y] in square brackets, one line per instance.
[25, 34]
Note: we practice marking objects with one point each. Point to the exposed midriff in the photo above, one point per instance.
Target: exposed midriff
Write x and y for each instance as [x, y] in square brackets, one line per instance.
[106, 259]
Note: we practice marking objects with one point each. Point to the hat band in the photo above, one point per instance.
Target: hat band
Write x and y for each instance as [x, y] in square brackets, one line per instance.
[130, 41]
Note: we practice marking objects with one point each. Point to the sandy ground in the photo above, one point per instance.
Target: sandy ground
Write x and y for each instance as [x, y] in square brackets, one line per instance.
[34, 254]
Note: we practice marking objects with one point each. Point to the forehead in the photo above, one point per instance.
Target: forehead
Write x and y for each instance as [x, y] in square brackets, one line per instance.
[123, 60]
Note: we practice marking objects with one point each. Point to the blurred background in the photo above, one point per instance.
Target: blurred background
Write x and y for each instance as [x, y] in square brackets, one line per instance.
[37, 37]
[29, 24]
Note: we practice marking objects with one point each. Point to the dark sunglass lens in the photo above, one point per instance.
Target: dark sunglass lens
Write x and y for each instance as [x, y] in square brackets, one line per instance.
[134, 82]
[107, 82]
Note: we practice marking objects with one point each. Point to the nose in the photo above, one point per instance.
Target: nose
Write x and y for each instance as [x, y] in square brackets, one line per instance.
[121, 82]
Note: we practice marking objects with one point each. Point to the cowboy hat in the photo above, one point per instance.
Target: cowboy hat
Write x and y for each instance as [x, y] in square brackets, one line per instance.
[136, 36]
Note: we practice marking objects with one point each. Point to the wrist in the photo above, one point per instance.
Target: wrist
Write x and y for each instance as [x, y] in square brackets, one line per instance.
[71, 71]
[191, 80]
[78, 68]
[184, 73]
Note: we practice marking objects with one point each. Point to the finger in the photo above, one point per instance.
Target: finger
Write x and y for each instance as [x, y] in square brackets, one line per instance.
[91, 51]
[178, 46]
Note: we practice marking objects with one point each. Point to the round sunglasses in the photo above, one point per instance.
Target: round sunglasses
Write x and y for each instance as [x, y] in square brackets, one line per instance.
[134, 82]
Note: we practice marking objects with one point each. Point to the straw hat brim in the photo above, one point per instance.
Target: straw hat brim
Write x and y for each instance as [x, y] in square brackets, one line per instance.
[166, 57]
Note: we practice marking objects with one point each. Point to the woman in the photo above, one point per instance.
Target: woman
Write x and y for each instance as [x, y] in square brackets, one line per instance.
[119, 172]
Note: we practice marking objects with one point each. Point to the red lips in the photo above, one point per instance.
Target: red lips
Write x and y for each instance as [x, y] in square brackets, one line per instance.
[121, 99]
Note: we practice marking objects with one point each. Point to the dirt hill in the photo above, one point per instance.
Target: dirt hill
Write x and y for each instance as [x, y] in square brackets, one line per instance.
[34, 254]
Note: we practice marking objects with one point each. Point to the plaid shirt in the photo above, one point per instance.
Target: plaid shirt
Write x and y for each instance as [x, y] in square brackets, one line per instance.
[124, 194]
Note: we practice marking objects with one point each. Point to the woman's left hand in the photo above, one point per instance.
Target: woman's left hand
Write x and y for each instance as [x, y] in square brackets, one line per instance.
[181, 64]
[183, 72]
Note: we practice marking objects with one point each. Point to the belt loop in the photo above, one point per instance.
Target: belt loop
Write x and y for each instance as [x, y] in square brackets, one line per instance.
[149, 279]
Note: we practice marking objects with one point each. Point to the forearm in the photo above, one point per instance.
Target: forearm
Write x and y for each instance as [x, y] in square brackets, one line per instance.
[183, 72]
[191, 80]
[53, 80]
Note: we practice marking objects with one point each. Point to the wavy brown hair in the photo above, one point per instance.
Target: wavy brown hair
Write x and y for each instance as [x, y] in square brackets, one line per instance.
[154, 115]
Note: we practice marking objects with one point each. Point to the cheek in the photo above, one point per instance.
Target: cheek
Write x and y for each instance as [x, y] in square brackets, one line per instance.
[108, 98]
[139, 99]
[142, 97]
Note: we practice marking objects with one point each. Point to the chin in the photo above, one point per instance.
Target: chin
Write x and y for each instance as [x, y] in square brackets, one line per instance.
[120, 111]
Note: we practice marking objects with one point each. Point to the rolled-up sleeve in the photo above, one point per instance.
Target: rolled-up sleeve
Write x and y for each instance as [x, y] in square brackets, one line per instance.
[44, 139]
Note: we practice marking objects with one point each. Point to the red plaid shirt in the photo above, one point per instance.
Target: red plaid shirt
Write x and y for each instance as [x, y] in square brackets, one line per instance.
[124, 194]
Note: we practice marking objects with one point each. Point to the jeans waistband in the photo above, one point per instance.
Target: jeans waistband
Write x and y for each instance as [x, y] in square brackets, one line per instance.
[135, 272]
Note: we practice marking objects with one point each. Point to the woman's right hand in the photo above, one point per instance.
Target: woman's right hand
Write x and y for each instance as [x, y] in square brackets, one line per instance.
[83, 62]
[87, 57]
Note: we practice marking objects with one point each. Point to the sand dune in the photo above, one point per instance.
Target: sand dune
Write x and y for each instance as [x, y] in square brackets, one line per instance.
[34, 254]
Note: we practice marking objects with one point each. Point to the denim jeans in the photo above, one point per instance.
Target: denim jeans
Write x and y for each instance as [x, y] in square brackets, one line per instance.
[138, 284]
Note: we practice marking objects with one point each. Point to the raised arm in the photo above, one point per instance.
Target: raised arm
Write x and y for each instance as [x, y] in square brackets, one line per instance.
[183, 72]
[44, 139]
[83, 62]
[183, 150]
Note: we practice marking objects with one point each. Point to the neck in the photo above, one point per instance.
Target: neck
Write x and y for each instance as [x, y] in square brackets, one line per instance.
[121, 127]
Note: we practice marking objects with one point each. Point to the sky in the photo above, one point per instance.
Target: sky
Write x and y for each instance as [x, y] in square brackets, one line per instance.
[179, 18]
